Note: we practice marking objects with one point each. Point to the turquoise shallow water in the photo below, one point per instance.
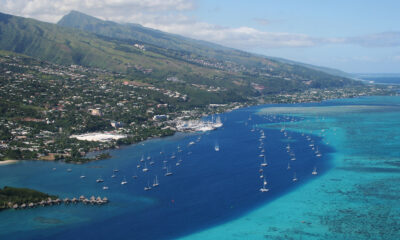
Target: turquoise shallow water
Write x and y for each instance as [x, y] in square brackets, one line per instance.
[358, 198]
[215, 195]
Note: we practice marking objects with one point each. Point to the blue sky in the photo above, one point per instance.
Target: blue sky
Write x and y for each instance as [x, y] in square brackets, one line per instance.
[317, 18]
[351, 35]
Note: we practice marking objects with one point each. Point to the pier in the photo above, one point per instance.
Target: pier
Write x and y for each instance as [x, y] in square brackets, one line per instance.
[66, 201]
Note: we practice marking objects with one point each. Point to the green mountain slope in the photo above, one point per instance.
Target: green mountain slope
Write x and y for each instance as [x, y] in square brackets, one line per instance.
[159, 58]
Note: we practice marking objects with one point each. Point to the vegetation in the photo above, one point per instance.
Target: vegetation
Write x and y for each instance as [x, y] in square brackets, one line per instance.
[21, 195]
[158, 56]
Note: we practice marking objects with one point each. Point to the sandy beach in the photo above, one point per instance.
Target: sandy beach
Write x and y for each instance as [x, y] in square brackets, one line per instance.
[6, 162]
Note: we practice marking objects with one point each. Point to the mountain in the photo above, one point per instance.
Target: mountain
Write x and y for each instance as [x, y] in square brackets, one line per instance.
[158, 58]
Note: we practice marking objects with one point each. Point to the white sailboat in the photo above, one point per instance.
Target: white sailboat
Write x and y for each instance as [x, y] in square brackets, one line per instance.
[264, 164]
[263, 188]
[142, 159]
[148, 187]
[156, 183]
[216, 147]
[314, 172]
[168, 173]
[124, 181]
[145, 169]
[294, 179]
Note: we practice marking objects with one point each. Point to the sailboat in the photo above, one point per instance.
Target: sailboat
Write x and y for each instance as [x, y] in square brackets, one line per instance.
[142, 159]
[263, 188]
[264, 164]
[148, 187]
[294, 179]
[145, 169]
[314, 172]
[99, 180]
[155, 184]
[165, 166]
[216, 148]
[124, 182]
[168, 173]
[288, 166]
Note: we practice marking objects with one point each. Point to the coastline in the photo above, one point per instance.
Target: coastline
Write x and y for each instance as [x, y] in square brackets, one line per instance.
[7, 162]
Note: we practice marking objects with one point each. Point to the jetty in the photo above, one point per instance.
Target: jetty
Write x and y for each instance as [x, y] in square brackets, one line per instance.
[66, 201]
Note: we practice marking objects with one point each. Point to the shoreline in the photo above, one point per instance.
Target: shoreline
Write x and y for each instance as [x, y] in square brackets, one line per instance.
[226, 110]
[7, 162]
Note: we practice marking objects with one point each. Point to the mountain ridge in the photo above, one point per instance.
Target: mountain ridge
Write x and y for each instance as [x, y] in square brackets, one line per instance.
[194, 63]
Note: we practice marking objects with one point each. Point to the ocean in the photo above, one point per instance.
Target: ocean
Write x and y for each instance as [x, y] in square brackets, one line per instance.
[352, 145]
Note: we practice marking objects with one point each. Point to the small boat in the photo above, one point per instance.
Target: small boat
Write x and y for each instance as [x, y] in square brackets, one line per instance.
[288, 166]
[192, 143]
[264, 164]
[294, 179]
[148, 158]
[261, 155]
[115, 170]
[168, 173]
[124, 182]
[82, 176]
[99, 180]
[151, 162]
[145, 169]
[142, 159]
[105, 188]
[314, 172]
[263, 188]
[69, 170]
[113, 176]
[155, 184]
[178, 163]
[148, 187]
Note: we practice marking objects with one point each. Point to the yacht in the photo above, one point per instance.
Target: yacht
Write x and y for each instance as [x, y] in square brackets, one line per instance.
[294, 179]
[263, 188]
[124, 182]
[314, 172]
[156, 183]
[168, 173]
[264, 164]
[148, 187]
[216, 148]
[145, 169]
